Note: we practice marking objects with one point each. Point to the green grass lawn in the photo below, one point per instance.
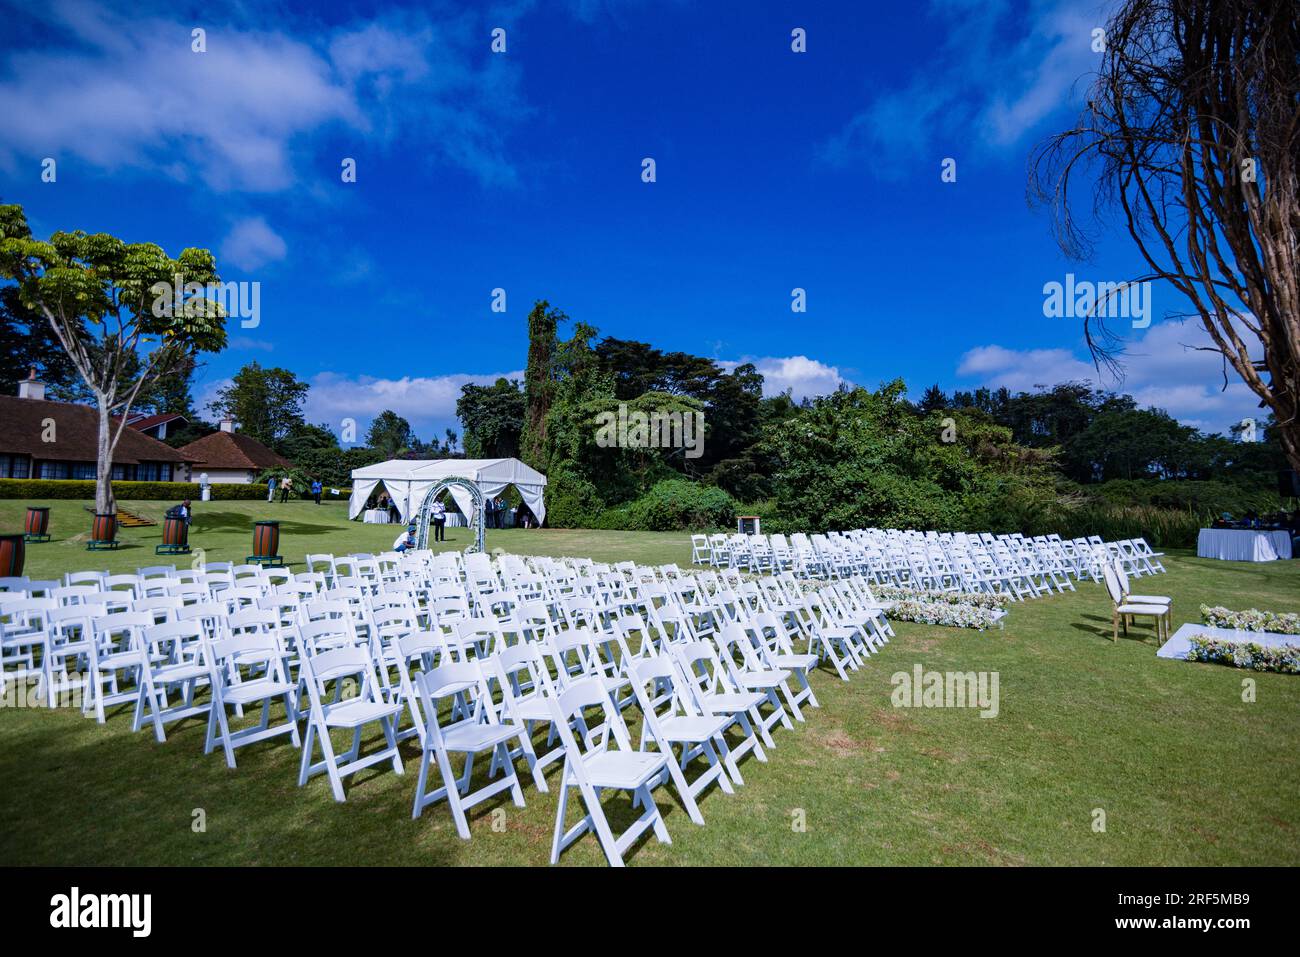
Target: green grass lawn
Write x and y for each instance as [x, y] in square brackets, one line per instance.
[1185, 771]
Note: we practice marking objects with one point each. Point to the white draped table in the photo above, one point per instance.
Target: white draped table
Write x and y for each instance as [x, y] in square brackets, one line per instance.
[1243, 544]
[376, 516]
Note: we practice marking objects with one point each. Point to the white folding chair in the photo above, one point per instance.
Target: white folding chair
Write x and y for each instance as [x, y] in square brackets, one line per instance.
[246, 669]
[670, 718]
[477, 732]
[593, 766]
[171, 654]
[346, 712]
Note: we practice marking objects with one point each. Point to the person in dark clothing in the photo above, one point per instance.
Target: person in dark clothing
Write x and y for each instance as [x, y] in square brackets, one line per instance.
[315, 490]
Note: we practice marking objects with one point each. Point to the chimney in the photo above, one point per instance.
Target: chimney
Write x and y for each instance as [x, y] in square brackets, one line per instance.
[227, 425]
[31, 387]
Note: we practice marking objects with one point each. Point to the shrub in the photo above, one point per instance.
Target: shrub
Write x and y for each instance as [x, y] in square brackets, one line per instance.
[73, 489]
[571, 501]
[677, 504]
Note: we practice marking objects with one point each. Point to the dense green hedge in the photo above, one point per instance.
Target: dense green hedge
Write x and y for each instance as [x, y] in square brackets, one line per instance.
[135, 491]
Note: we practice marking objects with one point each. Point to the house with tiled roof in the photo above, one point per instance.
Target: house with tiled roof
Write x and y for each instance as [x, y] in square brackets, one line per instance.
[230, 456]
[44, 439]
[157, 425]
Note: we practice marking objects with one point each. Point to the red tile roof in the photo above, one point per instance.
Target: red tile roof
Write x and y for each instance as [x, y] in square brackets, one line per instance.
[143, 422]
[231, 450]
[23, 427]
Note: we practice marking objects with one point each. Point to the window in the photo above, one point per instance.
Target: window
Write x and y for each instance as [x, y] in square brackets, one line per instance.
[54, 470]
[165, 472]
[19, 466]
[83, 470]
[146, 472]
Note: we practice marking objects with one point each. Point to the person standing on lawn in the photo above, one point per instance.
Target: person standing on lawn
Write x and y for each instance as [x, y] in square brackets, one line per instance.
[315, 490]
[270, 489]
[439, 513]
[286, 486]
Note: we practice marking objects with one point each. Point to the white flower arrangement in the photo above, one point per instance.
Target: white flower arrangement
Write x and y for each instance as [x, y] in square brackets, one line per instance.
[1245, 654]
[944, 613]
[1287, 623]
[993, 600]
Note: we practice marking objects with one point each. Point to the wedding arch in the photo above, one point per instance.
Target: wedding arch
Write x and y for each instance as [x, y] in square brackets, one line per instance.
[423, 517]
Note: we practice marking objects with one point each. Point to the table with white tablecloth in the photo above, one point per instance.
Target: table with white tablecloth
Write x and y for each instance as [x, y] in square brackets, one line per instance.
[376, 516]
[1243, 544]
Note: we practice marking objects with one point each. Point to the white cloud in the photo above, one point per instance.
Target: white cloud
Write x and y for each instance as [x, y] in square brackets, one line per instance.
[252, 244]
[128, 92]
[801, 375]
[978, 90]
[1166, 368]
[427, 402]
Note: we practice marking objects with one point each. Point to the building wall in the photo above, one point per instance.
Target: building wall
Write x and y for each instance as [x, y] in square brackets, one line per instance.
[223, 476]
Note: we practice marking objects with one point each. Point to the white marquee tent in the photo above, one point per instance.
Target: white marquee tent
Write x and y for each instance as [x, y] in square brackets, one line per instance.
[407, 481]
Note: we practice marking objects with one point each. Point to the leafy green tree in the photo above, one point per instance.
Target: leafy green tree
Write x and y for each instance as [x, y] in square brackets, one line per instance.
[28, 342]
[305, 440]
[390, 435]
[539, 380]
[492, 417]
[111, 306]
[933, 400]
[266, 402]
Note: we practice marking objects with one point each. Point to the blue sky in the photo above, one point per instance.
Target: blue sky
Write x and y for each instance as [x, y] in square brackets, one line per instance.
[522, 171]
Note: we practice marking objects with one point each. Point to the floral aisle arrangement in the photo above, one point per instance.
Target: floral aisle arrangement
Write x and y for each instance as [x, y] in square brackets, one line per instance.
[1245, 654]
[951, 614]
[1252, 619]
[993, 600]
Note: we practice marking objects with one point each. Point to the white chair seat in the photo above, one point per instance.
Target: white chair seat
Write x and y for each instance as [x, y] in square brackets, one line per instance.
[120, 659]
[473, 738]
[257, 690]
[1150, 600]
[623, 769]
[533, 708]
[353, 714]
[171, 673]
[615, 683]
[801, 662]
[733, 702]
[763, 679]
[684, 727]
[1129, 609]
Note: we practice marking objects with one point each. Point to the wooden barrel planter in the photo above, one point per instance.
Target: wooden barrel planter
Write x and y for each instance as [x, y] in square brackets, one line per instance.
[175, 537]
[37, 527]
[13, 553]
[103, 533]
[266, 544]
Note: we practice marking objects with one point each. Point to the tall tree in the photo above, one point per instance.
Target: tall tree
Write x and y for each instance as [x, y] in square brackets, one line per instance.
[933, 400]
[1194, 123]
[539, 381]
[113, 309]
[390, 435]
[267, 403]
[492, 418]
